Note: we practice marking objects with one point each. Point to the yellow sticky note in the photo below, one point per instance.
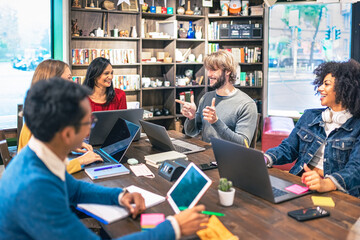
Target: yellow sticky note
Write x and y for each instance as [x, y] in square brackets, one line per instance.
[323, 201]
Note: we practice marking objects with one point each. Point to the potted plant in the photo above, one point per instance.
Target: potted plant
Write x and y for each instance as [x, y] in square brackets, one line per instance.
[226, 192]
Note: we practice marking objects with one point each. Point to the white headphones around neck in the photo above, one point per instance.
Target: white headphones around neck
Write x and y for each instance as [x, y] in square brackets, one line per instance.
[329, 117]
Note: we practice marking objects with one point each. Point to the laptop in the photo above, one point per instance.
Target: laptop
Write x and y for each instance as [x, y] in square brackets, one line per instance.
[116, 143]
[246, 168]
[107, 119]
[160, 139]
[194, 183]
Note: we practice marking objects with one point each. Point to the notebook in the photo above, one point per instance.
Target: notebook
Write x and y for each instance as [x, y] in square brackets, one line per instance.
[107, 119]
[106, 171]
[246, 168]
[111, 213]
[160, 139]
[189, 188]
[116, 143]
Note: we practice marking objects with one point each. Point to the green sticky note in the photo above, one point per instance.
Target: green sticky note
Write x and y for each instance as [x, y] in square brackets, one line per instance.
[323, 201]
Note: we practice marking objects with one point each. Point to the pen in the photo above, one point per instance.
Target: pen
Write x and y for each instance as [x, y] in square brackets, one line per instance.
[205, 212]
[109, 167]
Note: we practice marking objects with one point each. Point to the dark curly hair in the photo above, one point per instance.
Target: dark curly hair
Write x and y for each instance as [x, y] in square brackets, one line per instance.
[347, 83]
[96, 68]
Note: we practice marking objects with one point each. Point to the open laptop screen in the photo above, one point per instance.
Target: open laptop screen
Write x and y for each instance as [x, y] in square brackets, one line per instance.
[120, 138]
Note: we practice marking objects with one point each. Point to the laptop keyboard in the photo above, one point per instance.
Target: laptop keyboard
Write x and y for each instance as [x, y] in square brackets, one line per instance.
[103, 156]
[181, 149]
[278, 192]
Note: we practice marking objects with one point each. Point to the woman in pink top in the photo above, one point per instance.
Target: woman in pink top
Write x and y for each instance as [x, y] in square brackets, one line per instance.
[99, 78]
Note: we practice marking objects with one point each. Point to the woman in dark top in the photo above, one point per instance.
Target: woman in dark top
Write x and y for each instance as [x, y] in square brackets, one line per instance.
[99, 78]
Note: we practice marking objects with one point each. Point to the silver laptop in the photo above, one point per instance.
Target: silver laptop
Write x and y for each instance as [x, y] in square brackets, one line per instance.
[246, 168]
[160, 139]
[107, 119]
[116, 143]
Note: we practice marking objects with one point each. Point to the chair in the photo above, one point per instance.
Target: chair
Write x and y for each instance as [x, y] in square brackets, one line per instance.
[254, 139]
[19, 121]
[4, 150]
[275, 130]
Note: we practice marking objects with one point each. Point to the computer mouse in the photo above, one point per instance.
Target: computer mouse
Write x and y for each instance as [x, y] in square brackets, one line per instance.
[132, 161]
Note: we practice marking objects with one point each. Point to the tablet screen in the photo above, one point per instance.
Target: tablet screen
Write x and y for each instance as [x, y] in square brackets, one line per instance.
[189, 188]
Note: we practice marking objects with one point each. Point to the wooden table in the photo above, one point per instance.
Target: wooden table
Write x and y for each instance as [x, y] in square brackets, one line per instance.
[250, 217]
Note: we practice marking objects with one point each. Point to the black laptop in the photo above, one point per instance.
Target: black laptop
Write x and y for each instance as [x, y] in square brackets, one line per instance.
[116, 143]
[246, 168]
[107, 119]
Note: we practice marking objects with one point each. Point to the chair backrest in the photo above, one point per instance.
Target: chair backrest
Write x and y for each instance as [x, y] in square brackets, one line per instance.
[19, 121]
[4, 150]
[254, 139]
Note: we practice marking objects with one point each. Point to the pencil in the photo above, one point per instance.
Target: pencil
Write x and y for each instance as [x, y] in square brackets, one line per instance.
[246, 143]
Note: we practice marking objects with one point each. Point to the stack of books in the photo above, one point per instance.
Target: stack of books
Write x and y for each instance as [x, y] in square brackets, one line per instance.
[151, 220]
[156, 160]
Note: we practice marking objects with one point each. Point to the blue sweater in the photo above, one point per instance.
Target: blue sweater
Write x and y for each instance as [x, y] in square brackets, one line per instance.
[35, 204]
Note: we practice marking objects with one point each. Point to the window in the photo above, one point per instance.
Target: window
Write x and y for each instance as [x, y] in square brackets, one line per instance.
[302, 36]
[25, 41]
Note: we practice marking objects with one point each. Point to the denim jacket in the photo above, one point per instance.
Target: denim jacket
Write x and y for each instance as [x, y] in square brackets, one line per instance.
[341, 153]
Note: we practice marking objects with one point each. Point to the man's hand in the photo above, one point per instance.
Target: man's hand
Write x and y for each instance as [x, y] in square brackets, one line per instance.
[190, 220]
[87, 147]
[209, 113]
[89, 157]
[315, 182]
[188, 109]
[137, 199]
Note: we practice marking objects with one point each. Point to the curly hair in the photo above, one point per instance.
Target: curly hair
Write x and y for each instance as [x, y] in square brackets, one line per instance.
[96, 68]
[347, 83]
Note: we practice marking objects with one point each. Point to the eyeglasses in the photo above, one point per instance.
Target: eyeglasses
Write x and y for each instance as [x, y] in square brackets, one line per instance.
[92, 122]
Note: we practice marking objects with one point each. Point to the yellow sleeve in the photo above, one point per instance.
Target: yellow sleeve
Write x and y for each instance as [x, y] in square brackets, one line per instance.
[24, 138]
[73, 166]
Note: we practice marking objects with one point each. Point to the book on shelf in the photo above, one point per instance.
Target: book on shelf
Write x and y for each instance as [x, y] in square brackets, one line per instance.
[127, 82]
[115, 56]
[111, 213]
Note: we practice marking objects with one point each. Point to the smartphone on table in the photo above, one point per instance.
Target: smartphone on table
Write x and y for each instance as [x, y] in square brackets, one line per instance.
[308, 213]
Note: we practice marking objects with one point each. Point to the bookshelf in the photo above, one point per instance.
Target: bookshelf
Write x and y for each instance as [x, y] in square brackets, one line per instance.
[171, 72]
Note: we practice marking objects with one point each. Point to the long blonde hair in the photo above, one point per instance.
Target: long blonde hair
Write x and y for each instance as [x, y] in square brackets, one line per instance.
[223, 60]
[48, 69]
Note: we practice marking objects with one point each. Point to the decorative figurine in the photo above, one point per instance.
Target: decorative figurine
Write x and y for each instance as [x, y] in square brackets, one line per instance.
[145, 7]
[182, 31]
[235, 7]
[74, 28]
[76, 4]
[190, 33]
[189, 11]
[197, 10]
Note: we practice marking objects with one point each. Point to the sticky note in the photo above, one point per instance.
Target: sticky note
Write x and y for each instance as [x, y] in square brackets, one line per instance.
[297, 189]
[323, 201]
[150, 220]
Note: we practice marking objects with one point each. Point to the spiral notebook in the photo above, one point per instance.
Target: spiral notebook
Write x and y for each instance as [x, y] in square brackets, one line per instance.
[110, 213]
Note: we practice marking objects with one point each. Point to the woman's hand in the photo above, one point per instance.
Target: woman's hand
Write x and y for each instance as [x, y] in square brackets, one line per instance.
[89, 157]
[87, 147]
[315, 182]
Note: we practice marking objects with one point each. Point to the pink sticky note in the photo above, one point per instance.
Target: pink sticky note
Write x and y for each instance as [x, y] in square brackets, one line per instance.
[152, 219]
[297, 189]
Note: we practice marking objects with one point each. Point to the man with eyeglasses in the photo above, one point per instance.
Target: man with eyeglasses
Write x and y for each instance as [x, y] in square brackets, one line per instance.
[37, 192]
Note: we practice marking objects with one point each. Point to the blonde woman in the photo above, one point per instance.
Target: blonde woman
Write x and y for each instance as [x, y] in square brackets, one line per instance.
[46, 70]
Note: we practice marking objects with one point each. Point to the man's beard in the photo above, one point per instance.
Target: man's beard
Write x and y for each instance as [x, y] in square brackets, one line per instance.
[220, 81]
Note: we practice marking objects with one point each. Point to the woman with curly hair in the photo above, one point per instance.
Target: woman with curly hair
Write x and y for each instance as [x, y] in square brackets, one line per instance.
[99, 78]
[326, 142]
